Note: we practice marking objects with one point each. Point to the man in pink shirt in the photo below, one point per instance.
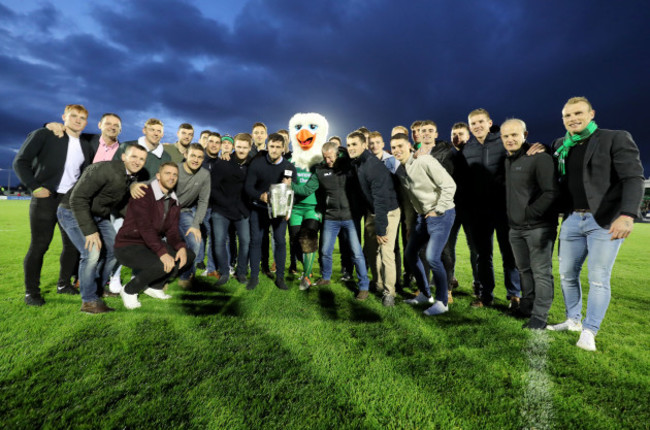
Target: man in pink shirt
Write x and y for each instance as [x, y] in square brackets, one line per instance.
[106, 144]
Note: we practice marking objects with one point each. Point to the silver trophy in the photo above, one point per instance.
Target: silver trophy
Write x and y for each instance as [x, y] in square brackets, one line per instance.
[280, 200]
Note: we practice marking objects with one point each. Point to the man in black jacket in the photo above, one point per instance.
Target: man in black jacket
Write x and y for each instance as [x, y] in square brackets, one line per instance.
[103, 188]
[601, 186]
[49, 166]
[334, 189]
[267, 169]
[383, 215]
[230, 206]
[485, 156]
[531, 189]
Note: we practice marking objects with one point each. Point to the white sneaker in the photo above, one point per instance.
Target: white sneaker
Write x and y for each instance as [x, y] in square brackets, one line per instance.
[232, 270]
[587, 341]
[157, 294]
[115, 286]
[204, 273]
[419, 299]
[130, 300]
[437, 309]
[569, 324]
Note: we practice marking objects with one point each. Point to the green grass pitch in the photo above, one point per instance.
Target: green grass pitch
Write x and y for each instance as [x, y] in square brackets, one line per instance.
[228, 358]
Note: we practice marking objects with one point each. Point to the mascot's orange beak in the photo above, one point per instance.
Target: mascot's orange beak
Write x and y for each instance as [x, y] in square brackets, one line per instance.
[305, 139]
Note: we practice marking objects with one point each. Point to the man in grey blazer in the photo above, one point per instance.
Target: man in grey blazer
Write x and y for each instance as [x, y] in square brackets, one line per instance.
[601, 186]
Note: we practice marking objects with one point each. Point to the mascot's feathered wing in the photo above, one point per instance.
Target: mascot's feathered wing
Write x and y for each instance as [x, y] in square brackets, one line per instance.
[308, 133]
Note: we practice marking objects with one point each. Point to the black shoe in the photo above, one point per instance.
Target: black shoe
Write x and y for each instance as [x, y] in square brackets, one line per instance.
[345, 277]
[34, 300]
[281, 284]
[68, 289]
[535, 324]
[241, 279]
[200, 266]
[252, 283]
[223, 279]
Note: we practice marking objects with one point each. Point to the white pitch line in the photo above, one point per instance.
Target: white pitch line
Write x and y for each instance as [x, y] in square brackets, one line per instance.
[537, 407]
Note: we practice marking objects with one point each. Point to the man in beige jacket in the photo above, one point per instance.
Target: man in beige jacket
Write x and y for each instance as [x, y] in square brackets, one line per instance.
[431, 191]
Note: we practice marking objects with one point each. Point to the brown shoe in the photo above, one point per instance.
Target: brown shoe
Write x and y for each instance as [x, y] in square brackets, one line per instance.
[514, 303]
[322, 282]
[96, 307]
[454, 284]
[214, 275]
[186, 284]
[477, 304]
[450, 299]
[274, 268]
[362, 295]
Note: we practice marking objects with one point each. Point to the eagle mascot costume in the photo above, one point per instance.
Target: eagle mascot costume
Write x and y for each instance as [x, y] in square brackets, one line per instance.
[308, 132]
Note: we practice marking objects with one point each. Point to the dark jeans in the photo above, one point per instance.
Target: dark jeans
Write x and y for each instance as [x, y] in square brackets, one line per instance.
[449, 253]
[483, 227]
[533, 250]
[430, 233]
[146, 267]
[220, 232]
[260, 223]
[42, 220]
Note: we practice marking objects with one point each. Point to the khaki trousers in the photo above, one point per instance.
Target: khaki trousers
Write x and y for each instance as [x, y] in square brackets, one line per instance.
[381, 258]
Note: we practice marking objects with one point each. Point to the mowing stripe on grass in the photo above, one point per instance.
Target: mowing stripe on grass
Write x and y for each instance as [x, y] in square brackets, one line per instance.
[537, 405]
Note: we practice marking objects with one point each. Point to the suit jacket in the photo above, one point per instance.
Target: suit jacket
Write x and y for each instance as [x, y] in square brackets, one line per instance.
[612, 176]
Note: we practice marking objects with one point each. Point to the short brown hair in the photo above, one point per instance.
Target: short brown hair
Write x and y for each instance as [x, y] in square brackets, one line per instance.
[399, 136]
[428, 122]
[186, 126]
[259, 124]
[359, 135]
[402, 128]
[460, 125]
[276, 137]
[374, 134]
[244, 137]
[195, 146]
[169, 163]
[416, 124]
[154, 121]
[110, 114]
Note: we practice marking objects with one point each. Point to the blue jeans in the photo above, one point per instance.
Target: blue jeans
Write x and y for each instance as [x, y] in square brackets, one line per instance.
[580, 236]
[96, 266]
[206, 241]
[259, 223]
[432, 232]
[331, 229]
[192, 243]
[220, 226]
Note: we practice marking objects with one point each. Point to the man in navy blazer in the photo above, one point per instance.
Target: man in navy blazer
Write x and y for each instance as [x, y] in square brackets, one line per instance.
[601, 185]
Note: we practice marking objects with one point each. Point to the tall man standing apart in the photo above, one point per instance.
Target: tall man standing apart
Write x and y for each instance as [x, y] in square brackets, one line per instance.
[601, 189]
[50, 166]
[383, 215]
[485, 156]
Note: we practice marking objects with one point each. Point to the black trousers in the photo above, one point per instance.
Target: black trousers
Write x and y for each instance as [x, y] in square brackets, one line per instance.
[147, 268]
[42, 220]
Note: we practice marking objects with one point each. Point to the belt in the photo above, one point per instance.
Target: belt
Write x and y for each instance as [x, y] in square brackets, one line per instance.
[582, 211]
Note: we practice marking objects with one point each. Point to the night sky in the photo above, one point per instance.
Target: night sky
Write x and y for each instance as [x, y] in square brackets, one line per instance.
[371, 63]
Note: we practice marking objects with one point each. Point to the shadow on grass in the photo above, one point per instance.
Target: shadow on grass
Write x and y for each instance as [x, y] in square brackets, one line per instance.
[362, 313]
[327, 304]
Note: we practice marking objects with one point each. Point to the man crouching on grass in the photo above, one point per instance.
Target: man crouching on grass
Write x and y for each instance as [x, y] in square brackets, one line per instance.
[139, 243]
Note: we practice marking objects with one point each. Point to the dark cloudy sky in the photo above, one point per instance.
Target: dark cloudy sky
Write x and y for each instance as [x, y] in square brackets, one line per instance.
[226, 64]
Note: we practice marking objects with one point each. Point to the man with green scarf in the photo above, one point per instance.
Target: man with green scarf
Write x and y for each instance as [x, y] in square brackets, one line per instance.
[601, 184]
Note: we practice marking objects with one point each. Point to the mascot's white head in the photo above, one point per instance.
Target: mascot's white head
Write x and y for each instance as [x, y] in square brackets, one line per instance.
[308, 133]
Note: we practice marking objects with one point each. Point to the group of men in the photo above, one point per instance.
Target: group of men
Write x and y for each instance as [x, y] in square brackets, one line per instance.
[153, 207]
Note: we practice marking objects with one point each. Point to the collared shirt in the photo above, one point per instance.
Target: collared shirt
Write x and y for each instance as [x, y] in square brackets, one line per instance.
[105, 152]
[277, 162]
[72, 169]
[157, 151]
[158, 194]
[390, 162]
